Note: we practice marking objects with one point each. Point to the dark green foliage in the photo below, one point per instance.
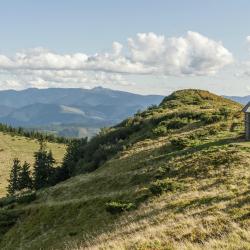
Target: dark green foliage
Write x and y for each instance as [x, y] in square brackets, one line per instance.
[5, 201]
[33, 134]
[26, 198]
[7, 220]
[176, 123]
[208, 118]
[25, 180]
[21, 198]
[160, 186]
[116, 207]
[74, 153]
[14, 184]
[180, 142]
[160, 130]
[235, 126]
[44, 172]
[224, 111]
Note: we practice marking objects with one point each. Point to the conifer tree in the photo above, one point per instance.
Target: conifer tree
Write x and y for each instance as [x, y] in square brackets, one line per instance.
[14, 184]
[74, 153]
[43, 167]
[25, 180]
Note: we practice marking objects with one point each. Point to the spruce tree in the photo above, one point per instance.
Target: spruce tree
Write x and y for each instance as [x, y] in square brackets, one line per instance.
[75, 152]
[43, 167]
[14, 184]
[25, 180]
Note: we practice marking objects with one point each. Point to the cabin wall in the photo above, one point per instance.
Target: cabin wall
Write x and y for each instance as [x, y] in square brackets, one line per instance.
[247, 126]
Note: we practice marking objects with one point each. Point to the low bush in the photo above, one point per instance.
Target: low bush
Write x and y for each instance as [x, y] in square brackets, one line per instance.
[180, 142]
[116, 207]
[235, 126]
[20, 199]
[160, 130]
[160, 186]
[207, 118]
[177, 123]
[26, 198]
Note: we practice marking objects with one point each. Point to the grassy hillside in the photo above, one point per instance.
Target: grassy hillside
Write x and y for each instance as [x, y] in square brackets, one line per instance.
[177, 177]
[23, 148]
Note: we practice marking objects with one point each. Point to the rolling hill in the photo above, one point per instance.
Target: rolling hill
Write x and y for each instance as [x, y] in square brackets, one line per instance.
[23, 148]
[175, 176]
[68, 111]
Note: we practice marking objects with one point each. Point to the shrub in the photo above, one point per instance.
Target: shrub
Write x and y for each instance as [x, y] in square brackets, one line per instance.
[234, 126]
[213, 130]
[116, 207]
[160, 130]
[26, 198]
[211, 118]
[160, 186]
[180, 142]
[21, 198]
[224, 111]
[177, 123]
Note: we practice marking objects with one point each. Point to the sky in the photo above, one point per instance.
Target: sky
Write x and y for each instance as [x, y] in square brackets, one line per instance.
[142, 46]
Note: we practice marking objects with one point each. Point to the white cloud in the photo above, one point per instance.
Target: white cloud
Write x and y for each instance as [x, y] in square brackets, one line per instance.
[147, 53]
[20, 79]
[193, 54]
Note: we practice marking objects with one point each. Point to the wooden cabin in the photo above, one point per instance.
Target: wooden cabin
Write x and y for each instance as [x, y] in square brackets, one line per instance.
[246, 110]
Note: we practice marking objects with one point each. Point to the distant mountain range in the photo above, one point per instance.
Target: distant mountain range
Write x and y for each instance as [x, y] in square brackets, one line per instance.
[240, 99]
[70, 111]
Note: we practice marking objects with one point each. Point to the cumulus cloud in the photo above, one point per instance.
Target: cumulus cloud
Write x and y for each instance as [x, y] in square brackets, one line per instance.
[147, 53]
[193, 54]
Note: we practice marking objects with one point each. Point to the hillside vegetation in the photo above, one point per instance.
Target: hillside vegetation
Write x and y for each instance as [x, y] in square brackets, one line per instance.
[12, 146]
[175, 176]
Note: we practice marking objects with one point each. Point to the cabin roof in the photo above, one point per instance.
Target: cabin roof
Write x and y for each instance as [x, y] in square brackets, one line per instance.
[246, 109]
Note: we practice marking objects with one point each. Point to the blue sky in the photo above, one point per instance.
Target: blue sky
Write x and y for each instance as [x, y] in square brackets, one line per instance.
[89, 28]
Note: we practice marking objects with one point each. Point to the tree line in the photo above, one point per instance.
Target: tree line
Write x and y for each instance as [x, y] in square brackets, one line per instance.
[45, 172]
[82, 156]
[33, 134]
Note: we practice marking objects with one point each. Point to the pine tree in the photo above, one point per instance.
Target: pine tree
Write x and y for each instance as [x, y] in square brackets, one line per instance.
[14, 184]
[43, 167]
[25, 180]
[75, 151]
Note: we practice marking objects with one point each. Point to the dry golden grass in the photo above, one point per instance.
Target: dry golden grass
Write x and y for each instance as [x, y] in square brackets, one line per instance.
[22, 148]
[213, 212]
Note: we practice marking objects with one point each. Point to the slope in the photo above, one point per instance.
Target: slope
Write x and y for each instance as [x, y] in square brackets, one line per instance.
[177, 179]
[23, 148]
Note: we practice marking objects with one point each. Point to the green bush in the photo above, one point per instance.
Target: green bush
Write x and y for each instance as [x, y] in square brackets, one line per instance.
[26, 198]
[20, 199]
[160, 130]
[116, 207]
[211, 118]
[235, 126]
[177, 123]
[180, 142]
[224, 111]
[160, 186]
[214, 130]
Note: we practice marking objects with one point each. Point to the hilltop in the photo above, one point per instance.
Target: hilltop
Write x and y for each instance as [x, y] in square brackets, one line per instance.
[175, 176]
